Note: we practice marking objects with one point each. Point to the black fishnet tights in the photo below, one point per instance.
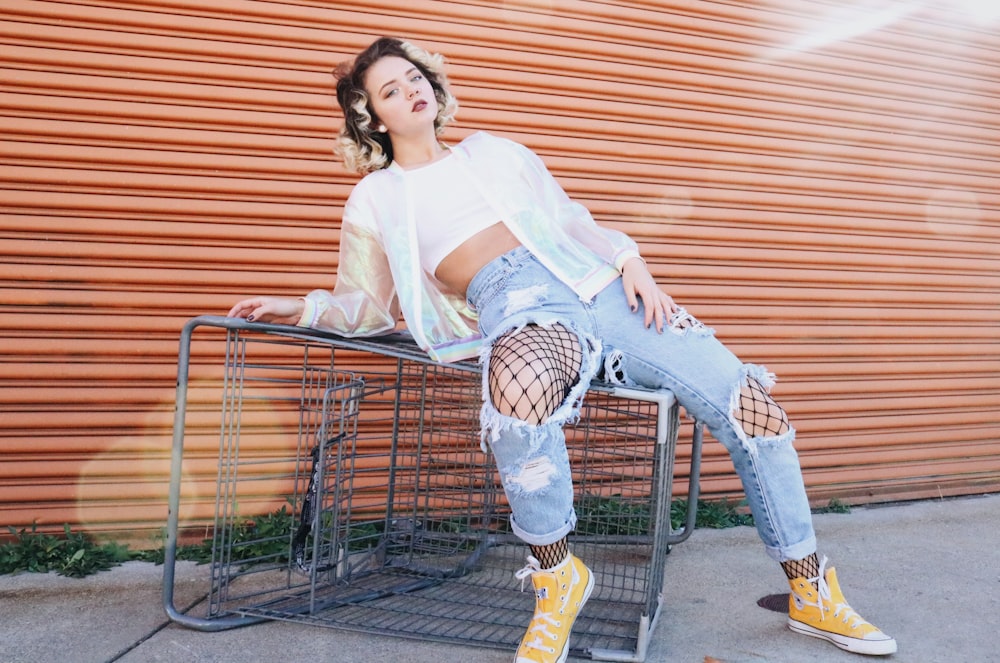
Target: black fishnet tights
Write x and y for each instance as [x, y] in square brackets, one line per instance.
[532, 370]
[807, 568]
[759, 414]
[551, 555]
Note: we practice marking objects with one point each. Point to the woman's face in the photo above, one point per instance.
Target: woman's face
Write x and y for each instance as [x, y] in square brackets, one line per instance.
[401, 96]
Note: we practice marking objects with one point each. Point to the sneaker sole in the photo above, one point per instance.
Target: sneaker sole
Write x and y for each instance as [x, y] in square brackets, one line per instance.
[855, 645]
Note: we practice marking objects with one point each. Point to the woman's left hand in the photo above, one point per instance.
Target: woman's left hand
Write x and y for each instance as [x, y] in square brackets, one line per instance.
[639, 284]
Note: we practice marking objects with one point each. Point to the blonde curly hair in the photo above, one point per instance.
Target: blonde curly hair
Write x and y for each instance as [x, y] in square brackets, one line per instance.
[360, 145]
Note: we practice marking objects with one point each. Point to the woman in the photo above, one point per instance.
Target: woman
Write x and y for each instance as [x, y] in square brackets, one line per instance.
[481, 251]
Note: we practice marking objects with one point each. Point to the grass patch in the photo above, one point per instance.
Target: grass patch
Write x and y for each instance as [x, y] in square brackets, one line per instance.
[715, 514]
[74, 554]
[256, 538]
[834, 506]
[265, 538]
[617, 517]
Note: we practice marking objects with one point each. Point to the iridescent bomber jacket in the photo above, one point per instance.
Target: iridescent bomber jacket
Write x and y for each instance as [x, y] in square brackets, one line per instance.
[380, 275]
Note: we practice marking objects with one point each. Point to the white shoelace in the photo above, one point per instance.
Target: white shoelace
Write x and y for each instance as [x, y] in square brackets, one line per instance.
[824, 595]
[543, 632]
[525, 573]
[542, 620]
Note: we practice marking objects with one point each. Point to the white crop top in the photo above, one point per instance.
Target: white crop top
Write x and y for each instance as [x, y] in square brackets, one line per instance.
[448, 209]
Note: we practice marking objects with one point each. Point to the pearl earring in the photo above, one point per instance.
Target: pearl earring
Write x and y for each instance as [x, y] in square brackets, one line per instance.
[382, 128]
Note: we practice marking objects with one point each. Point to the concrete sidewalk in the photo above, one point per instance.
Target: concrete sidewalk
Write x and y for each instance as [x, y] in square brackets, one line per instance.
[928, 573]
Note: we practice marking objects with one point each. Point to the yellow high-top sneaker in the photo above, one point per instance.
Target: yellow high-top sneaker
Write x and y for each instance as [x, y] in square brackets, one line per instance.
[825, 614]
[559, 596]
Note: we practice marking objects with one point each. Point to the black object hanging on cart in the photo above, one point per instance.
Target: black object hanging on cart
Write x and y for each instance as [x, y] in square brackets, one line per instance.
[309, 505]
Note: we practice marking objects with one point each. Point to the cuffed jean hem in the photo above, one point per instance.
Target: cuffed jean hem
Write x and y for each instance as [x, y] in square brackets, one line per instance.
[792, 553]
[543, 539]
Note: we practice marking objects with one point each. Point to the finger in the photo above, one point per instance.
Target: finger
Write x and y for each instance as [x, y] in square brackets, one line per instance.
[240, 309]
[661, 314]
[630, 297]
[263, 312]
[669, 305]
[649, 302]
[668, 308]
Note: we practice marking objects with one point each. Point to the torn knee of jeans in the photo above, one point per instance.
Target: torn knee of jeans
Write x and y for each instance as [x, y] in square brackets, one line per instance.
[493, 422]
[758, 420]
[534, 476]
[682, 322]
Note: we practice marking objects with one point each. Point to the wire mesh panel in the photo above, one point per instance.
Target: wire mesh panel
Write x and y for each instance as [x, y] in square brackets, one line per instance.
[394, 519]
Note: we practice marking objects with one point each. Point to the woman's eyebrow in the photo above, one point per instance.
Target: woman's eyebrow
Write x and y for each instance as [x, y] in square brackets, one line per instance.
[406, 73]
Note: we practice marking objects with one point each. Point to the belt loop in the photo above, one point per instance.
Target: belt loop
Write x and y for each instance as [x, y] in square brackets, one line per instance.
[511, 257]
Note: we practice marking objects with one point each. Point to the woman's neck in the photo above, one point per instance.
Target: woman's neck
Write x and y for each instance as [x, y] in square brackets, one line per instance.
[413, 153]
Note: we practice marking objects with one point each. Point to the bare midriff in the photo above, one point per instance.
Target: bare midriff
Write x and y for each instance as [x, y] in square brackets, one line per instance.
[459, 266]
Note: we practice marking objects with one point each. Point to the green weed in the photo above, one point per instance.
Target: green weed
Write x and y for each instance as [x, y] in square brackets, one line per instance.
[265, 538]
[74, 554]
[715, 514]
[835, 506]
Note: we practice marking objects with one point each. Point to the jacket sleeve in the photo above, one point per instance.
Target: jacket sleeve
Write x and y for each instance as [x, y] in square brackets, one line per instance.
[364, 301]
[612, 245]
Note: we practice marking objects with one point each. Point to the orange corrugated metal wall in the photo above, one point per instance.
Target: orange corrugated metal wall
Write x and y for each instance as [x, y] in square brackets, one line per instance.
[818, 183]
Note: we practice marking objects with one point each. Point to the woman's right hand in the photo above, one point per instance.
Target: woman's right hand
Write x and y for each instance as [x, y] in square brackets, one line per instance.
[278, 310]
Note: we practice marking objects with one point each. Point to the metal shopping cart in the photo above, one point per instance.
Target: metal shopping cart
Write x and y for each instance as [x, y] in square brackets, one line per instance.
[341, 483]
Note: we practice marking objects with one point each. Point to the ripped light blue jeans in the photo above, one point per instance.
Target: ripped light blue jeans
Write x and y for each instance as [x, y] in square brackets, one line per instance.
[515, 290]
